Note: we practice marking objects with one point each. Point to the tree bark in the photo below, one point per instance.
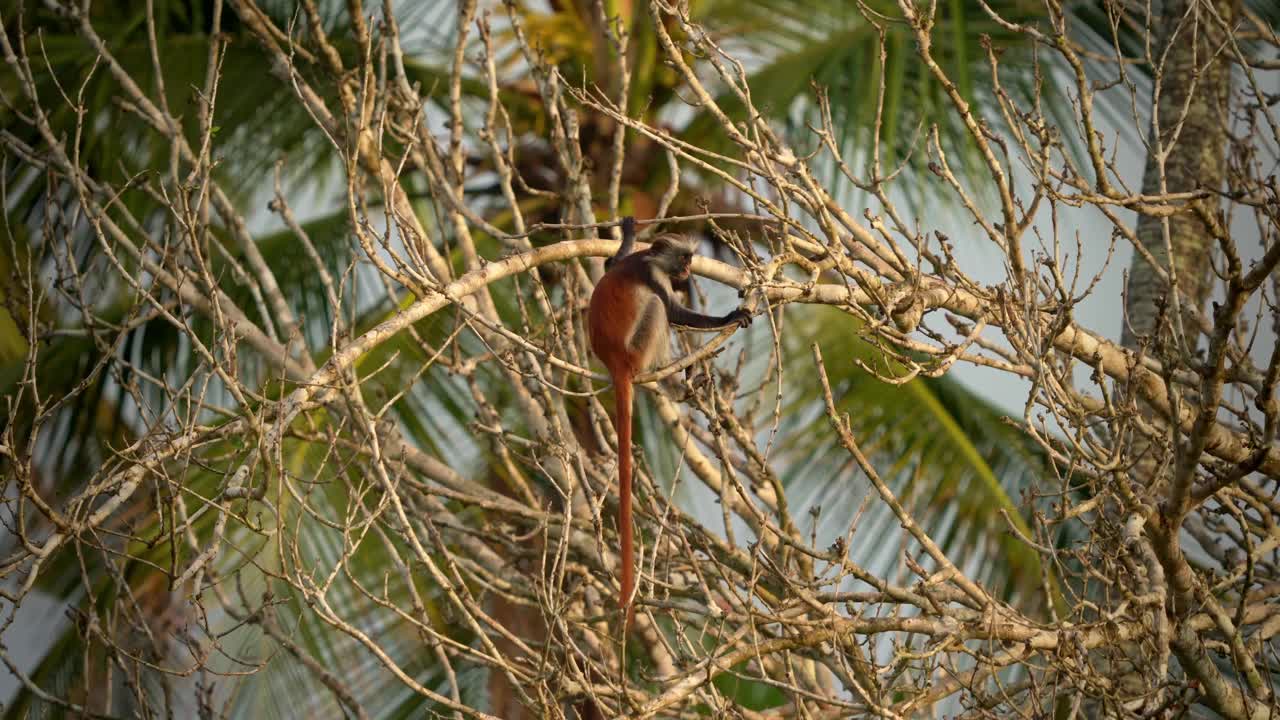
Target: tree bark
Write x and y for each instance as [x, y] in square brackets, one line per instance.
[1194, 78]
[1191, 85]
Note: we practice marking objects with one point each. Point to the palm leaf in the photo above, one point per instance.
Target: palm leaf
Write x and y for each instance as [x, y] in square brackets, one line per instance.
[945, 450]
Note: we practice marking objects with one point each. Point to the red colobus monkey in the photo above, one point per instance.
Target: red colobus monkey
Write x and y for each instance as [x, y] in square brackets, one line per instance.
[629, 320]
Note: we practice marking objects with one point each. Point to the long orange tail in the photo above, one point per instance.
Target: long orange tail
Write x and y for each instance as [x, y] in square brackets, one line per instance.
[622, 394]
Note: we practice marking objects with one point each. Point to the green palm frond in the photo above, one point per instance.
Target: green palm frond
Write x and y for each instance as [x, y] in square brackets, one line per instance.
[284, 685]
[116, 147]
[798, 44]
[117, 144]
[833, 46]
[947, 453]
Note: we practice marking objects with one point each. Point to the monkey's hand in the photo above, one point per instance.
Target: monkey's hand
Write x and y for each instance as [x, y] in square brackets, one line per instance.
[738, 317]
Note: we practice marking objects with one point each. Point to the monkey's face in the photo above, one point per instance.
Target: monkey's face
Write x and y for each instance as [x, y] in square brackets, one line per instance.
[674, 262]
[674, 255]
[683, 264]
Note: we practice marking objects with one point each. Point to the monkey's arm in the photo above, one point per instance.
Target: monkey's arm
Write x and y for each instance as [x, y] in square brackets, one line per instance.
[681, 316]
[628, 241]
[684, 317]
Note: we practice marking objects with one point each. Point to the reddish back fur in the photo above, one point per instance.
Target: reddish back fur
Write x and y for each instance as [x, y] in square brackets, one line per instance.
[611, 316]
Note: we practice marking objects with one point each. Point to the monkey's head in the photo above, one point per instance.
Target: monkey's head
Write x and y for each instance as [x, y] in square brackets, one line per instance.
[673, 254]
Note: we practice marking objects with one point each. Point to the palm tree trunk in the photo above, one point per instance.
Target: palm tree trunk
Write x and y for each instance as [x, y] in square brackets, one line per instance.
[1186, 152]
[1194, 147]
